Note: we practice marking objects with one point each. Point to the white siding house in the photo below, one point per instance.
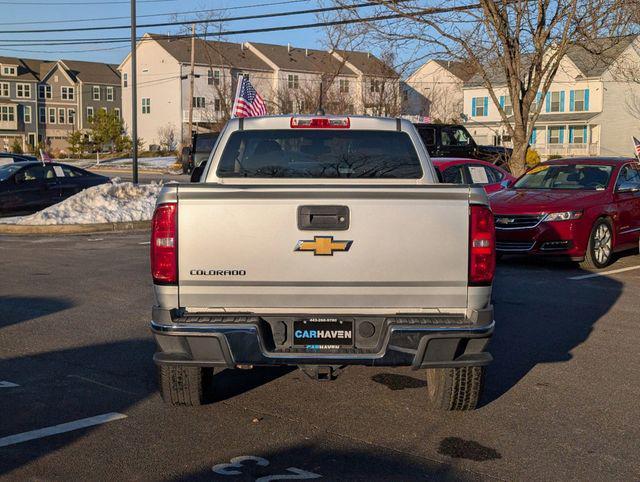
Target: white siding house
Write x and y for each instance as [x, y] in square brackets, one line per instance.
[585, 112]
[434, 90]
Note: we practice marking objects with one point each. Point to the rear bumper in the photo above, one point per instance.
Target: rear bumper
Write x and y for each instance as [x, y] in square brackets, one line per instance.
[419, 342]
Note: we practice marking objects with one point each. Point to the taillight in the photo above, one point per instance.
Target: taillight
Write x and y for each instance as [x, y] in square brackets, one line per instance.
[482, 246]
[164, 244]
[320, 123]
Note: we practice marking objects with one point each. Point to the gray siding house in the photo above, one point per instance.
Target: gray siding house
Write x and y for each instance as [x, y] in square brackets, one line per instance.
[18, 102]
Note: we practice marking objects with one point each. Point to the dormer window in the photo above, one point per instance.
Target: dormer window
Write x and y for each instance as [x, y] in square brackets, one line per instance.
[10, 70]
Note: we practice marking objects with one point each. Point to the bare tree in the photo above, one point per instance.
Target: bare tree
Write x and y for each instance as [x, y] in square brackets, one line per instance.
[513, 44]
[168, 138]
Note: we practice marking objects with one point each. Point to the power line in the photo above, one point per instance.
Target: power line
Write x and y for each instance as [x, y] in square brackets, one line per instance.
[282, 28]
[166, 14]
[197, 21]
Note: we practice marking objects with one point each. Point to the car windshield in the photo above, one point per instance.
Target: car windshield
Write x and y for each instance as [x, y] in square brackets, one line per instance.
[566, 176]
[319, 154]
[7, 170]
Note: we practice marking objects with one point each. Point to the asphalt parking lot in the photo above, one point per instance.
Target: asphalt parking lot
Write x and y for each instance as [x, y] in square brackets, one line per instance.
[78, 398]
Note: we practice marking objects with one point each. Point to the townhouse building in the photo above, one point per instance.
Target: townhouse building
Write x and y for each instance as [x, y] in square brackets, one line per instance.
[591, 107]
[44, 101]
[291, 80]
[434, 91]
[18, 103]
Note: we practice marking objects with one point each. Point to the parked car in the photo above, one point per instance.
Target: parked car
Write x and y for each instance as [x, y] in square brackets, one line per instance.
[454, 170]
[9, 157]
[583, 209]
[454, 140]
[28, 187]
[202, 146]
[322, 241]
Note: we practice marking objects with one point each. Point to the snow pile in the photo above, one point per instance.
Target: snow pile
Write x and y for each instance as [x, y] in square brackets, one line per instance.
[113, 202]
[153, 162]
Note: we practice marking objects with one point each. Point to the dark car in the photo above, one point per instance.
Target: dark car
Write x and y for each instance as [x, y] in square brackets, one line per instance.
[453, 140]
[202, 146]
[28, 187]
[8, 157]
[583, 209]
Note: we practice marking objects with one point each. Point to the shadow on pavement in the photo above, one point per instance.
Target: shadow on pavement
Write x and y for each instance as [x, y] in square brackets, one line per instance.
[231, 383]
[16, 309]
[554, 316]
[314, 462]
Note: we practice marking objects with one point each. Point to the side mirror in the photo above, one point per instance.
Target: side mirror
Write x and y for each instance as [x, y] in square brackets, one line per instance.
[628, 186]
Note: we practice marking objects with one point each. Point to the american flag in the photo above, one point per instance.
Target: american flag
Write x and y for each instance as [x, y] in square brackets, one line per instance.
[636, 144]
[44, 157]
[248, 102]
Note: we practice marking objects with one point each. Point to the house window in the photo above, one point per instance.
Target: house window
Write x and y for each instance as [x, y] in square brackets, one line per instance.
[96, 92]
[344, 86]
[578, 134]
[555, 102]
[213, 77]
[506, 104]
[217, 105]
[23, 91]
[198, 102]
[244, 74]
[116, 111]
[71, 116]
[44, 91]
[42, 115]
[52, 115]
[10, 71]
[8, 113]
[31, 140]
[480, 106]
[110, 94]
[26, 114]
[375, 86]
[579, 101]
[125, 80]
[556, 135]
[62, 118]
[146, 105]
[89, 113]
[4, 89]
[67, 93]
[293, 81]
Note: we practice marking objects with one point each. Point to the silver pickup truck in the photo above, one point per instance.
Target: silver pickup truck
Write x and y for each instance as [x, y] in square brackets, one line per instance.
[322, 242]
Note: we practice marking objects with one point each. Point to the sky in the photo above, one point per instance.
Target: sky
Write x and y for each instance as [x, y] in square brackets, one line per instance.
[16, 13]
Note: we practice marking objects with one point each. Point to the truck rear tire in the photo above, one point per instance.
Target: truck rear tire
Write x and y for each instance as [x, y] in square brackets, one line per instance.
[183, 385]
[455, 388]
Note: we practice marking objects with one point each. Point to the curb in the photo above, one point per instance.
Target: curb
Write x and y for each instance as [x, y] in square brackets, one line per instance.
[73, 228]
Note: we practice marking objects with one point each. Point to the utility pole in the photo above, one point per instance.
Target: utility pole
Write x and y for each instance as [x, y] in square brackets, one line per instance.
[191, 82]
[134, 95]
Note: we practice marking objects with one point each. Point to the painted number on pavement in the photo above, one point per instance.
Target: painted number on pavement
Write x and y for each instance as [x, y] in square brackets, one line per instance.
[236, 464]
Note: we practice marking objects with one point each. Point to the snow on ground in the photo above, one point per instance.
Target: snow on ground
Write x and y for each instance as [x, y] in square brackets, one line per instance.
[157, 162]
[107, 203]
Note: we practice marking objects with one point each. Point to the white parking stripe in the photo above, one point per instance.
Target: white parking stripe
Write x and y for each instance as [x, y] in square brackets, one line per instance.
[603, 273]
[146, 242]
[62, 428]
[6, 384]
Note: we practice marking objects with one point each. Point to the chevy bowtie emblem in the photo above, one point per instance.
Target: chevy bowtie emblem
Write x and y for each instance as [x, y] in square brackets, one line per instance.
[323, 245]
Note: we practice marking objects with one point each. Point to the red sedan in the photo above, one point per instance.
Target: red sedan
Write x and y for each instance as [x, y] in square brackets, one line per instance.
[582, 209]
[455, 170]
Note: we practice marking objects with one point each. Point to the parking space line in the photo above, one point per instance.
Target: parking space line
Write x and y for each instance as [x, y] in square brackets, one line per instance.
[145, 242]
[62, 428]
[89, 380]
[603, 273]
[6, 384]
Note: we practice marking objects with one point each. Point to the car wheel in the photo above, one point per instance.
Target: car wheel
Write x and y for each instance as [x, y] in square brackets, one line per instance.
[183, 385]
[455, 388]
[600, 247]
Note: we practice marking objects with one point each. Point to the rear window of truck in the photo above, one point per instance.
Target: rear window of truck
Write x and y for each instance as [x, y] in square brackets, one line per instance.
[320, 154]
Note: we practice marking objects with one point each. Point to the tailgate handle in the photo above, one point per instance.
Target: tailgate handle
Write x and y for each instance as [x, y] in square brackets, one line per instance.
[314, 218]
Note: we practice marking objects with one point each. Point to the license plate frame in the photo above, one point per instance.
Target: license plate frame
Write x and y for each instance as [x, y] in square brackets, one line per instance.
[323, 333]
